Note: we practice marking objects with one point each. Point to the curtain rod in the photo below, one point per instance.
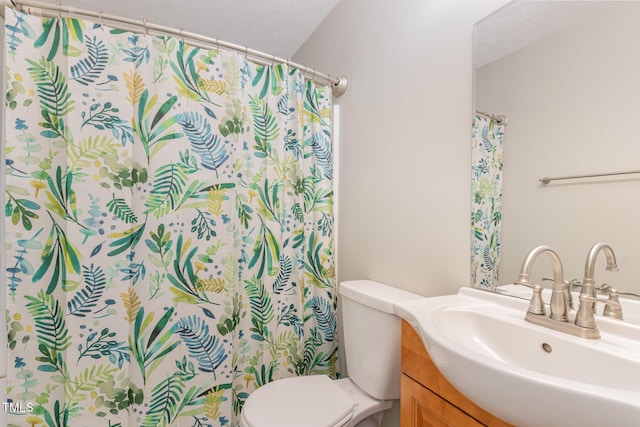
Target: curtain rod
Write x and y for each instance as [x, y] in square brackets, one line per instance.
[49, 10]
[499, 119]
[547, 180]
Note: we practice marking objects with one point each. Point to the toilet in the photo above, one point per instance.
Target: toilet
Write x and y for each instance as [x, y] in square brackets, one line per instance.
[372, 347]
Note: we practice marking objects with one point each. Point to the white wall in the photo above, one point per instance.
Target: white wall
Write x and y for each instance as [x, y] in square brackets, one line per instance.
[572, 102]
[405, 137]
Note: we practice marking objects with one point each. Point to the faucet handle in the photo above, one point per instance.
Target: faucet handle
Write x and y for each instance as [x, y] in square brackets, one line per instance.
[570, 284]
[613, 311]
[584, 317]
[574, 283]
[605, 287]
[524, 283]
[536, 304]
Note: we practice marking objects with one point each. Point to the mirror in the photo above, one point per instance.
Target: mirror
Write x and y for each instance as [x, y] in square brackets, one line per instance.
[567, 76]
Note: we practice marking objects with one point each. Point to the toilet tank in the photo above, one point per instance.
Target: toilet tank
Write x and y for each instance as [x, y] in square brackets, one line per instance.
[372, 336]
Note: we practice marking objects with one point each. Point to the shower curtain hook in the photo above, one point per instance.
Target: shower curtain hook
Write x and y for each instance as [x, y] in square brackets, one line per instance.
[218, 45]
[246, 51]
[273, 59]
[182, 36]
[144, 26]
[101, 19]
[313, 76]
[59, 11]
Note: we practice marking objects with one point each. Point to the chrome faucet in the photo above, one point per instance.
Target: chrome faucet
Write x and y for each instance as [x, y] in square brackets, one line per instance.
[559, 305]
[588, 283]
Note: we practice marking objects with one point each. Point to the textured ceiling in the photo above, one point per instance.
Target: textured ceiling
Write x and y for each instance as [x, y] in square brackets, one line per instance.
[277, 27]
[520, 23]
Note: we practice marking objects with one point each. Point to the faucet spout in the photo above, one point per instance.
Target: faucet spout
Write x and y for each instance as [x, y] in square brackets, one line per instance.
[590, 264]
[524, 278]
[588, 283]
[559, 303]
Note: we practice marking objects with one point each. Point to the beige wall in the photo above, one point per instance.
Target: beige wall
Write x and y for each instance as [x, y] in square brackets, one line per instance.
[572, 102]
[405, 137]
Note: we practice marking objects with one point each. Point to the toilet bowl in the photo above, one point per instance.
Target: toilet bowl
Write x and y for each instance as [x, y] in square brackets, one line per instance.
[372, 349]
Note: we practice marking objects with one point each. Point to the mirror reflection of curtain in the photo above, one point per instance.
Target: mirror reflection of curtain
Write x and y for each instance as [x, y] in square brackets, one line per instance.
[486, 206]
[169, 227]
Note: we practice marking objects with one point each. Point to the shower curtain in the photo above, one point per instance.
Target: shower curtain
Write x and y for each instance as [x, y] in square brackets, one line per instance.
[169, 227]
[486, 204]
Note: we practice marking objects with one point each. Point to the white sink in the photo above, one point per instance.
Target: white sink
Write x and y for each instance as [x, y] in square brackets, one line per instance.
[527, 374]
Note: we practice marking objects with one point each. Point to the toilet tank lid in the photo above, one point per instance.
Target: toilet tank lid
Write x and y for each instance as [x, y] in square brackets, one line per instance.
[376, 295]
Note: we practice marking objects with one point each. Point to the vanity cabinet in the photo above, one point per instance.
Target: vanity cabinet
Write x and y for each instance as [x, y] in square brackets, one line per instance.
[427, 399]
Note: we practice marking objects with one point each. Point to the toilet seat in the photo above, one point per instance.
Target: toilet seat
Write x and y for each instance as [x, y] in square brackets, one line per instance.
[309, 401]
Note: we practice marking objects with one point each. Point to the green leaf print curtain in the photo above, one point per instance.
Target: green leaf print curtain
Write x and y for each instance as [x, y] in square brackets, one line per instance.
[486, 206]
[169, 227]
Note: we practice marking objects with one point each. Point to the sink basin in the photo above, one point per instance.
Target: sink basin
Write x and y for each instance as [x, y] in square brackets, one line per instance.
[526, 374]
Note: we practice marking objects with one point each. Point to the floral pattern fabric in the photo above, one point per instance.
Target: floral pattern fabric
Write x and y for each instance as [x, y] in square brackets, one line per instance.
[486, 211]
[169, 227]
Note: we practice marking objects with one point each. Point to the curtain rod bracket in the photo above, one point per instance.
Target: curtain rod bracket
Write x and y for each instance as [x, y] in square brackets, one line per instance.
[498, 118]
[340, 87]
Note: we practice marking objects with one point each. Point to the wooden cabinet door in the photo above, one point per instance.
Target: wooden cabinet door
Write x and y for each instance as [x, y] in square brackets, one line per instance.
[420, 407]
[418, 367]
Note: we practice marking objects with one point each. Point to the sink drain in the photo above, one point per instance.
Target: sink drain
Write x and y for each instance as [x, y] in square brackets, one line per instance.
[546, 347]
